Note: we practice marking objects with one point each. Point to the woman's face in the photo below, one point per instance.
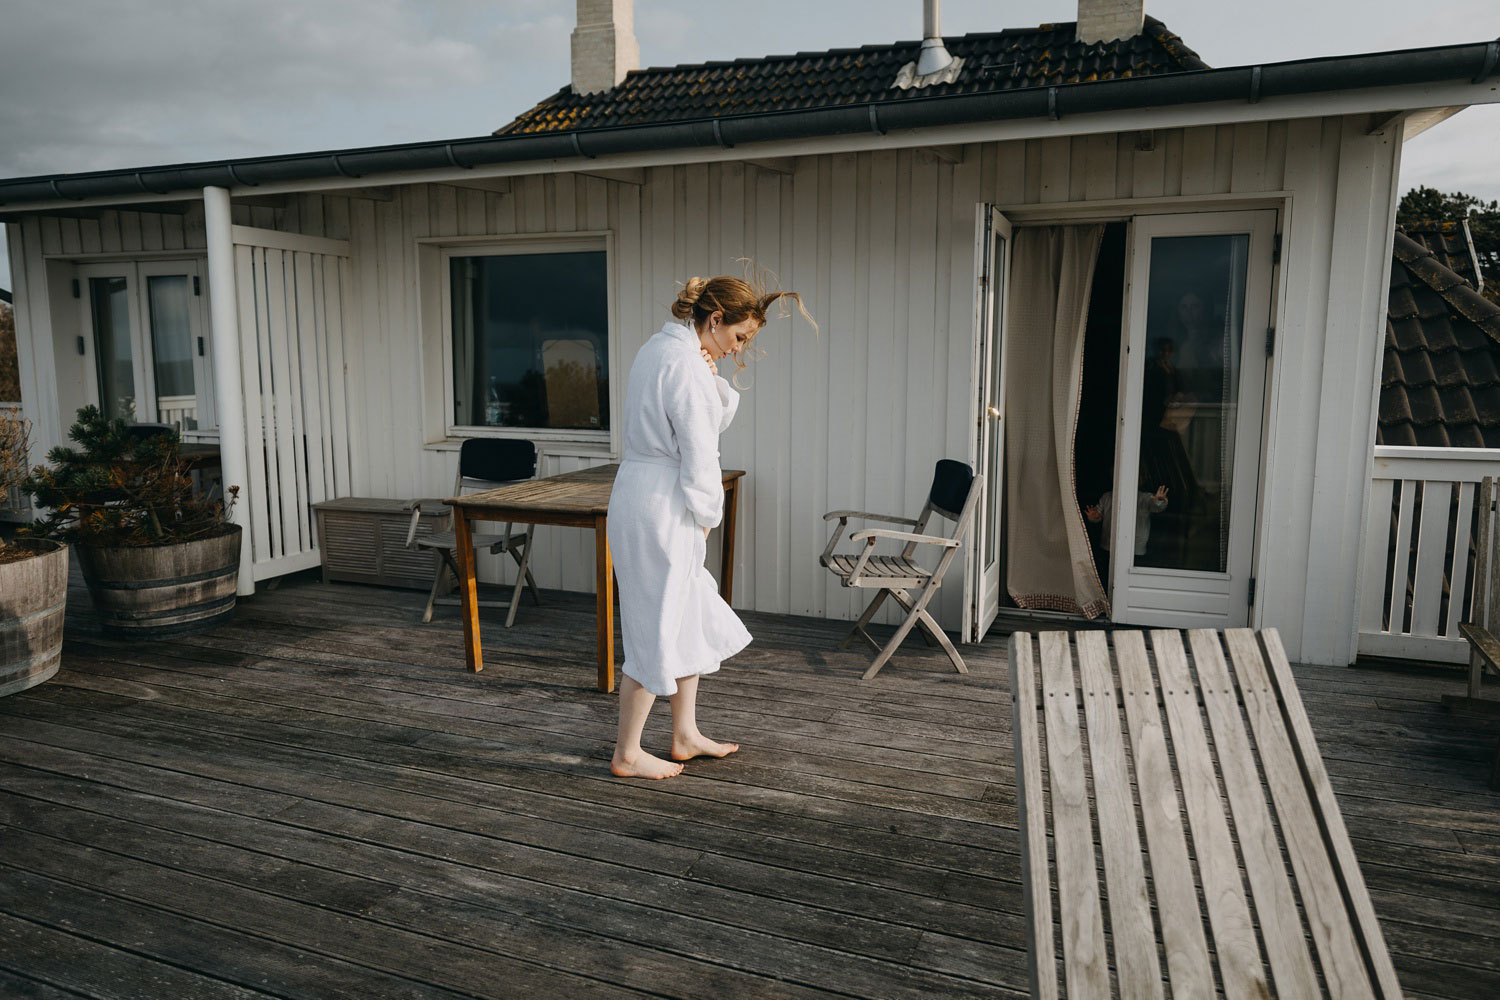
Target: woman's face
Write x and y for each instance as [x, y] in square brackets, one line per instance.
[1190, 311]
[723, 339]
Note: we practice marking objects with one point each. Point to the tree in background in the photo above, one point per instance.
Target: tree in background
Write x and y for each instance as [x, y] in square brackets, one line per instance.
[10, 367]
[1425, 204]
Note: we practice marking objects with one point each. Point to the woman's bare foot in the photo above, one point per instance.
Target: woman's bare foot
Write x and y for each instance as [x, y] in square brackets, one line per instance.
[698, 745]
[643, 765]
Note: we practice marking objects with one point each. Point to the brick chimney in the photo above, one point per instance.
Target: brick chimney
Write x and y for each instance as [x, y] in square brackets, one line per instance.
[604, 46]
[1103, 20]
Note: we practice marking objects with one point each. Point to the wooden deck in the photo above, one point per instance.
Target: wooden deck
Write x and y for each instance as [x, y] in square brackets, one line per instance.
[319, 801]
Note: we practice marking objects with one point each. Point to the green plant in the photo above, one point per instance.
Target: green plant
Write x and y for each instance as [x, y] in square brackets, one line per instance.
[14, 432]
[10, 367]
[117, 488]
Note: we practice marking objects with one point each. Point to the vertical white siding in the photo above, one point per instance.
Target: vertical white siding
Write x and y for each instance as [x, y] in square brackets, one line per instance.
[881, 244]
[1344, 334]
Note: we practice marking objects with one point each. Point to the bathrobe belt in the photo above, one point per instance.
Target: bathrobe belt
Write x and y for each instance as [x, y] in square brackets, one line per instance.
[662, 460]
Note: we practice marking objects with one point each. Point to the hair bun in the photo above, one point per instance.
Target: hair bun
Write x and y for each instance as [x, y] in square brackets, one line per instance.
[691, 292]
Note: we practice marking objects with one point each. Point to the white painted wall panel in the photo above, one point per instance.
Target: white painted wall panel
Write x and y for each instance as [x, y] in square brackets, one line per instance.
[882, 246]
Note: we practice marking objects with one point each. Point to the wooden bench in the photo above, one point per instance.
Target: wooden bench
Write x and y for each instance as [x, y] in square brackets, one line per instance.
[1222, 741]
[1482, 630]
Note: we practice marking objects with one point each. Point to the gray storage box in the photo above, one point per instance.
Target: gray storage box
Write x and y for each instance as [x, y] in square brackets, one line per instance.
[363, 540]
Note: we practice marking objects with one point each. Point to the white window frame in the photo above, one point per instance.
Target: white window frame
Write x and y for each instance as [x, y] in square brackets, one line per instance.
[536, 243]
[137, 272]
[205, 402]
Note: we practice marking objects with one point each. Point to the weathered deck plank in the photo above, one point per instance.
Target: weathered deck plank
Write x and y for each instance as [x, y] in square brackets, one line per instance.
[318, 797]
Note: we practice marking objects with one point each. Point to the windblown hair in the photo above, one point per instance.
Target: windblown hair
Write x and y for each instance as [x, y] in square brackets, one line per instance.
[738, 299]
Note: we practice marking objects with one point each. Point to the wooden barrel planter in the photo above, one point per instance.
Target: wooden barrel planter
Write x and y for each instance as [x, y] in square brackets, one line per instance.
[33, 596]
[157, 590]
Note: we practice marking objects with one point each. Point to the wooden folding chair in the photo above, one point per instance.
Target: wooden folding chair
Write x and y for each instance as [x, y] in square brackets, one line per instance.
[954, 494]
[1482, 627]
[483, 464]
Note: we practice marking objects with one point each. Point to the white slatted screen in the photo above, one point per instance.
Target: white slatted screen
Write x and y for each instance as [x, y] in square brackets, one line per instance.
[291, 295]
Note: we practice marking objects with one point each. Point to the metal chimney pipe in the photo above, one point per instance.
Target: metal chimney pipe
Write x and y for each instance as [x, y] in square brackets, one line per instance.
[934, 57]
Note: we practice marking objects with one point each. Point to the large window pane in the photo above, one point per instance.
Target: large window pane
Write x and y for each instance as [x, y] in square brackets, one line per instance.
[172, 350]
[1190, 400]
[109, 299]
[530, 340]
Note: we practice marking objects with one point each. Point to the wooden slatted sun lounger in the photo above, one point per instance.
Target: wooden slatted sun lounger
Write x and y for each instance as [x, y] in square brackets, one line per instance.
[1244, 884]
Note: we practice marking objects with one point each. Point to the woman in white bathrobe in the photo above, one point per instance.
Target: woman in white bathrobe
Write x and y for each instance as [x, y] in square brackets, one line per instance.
[667, 497]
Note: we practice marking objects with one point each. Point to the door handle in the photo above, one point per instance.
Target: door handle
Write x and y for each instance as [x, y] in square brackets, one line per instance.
[994, 412]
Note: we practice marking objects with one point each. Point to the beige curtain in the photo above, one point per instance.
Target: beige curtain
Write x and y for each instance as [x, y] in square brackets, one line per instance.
[1049, 565]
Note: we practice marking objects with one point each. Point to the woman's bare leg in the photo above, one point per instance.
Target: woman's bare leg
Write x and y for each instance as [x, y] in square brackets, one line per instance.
[687, 741]
[630, 761]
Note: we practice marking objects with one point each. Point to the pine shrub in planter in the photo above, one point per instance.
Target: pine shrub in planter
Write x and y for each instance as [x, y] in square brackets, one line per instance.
[33, 582]
[157, 559]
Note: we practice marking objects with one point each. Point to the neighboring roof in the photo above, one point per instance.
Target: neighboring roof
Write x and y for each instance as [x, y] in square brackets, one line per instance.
[1452, 244]
[1016, 59]
[5, 296]
[1440, 387]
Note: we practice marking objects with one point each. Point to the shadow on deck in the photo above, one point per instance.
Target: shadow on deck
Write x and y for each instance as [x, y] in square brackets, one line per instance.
[318, 800]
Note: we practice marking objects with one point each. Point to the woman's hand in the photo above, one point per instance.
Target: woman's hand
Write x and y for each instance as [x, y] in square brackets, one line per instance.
[709, 358]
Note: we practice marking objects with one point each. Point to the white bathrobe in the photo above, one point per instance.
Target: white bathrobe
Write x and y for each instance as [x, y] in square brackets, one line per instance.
[669, 488]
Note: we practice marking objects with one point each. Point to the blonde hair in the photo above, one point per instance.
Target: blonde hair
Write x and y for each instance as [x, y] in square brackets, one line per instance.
[738, 299]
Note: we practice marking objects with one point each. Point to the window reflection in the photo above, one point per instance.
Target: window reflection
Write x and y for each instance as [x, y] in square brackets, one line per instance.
[531, 340]
[172, 350]
[109, 300]
[1190, 401]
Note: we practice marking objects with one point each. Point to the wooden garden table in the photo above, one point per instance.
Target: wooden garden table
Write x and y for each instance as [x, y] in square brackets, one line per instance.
[573, 499]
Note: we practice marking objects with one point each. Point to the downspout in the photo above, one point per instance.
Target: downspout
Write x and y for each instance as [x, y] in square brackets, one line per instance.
[224, 334]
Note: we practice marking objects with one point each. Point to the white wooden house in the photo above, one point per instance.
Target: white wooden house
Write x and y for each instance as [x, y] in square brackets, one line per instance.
[339, 320]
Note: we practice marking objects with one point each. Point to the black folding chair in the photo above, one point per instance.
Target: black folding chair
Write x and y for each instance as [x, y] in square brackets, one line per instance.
[483, 464]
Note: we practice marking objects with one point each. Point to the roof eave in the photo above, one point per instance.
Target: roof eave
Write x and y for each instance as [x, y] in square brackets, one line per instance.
[1468, 71]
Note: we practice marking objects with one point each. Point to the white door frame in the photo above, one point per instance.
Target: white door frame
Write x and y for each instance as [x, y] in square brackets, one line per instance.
[136, 274]
[1180, 598]
[982, 584]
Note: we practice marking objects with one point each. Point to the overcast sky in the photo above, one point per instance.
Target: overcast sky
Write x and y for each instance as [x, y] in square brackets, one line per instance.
[94, 84]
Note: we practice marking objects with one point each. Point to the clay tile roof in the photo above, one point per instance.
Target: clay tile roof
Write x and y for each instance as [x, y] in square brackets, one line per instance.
[1450, 242]
[1007, 60]
[1440, 385]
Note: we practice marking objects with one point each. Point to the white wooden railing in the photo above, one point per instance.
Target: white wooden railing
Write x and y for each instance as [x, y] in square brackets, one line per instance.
[1418, 566]
[177, 410]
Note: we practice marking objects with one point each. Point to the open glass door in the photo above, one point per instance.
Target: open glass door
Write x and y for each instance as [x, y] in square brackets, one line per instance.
[992, 253]
[1192, 379]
